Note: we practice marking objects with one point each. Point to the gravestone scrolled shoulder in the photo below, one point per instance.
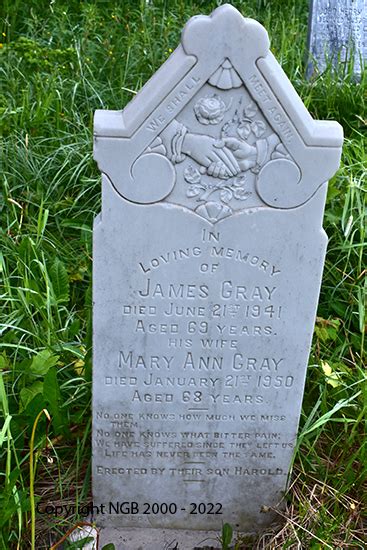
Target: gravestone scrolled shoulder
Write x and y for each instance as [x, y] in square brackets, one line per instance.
[208, 255]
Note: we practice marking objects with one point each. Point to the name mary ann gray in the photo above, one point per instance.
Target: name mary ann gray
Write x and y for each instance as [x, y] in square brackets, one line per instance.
[131, 360]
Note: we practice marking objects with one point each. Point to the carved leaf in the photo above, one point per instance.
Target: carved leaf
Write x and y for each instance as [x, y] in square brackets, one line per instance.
[244, 130]
[250, 110]
[192, 175]
[239, 182]
[229, 128]
[226, 195]
[241, 194]
[258, 128]
[194, 190]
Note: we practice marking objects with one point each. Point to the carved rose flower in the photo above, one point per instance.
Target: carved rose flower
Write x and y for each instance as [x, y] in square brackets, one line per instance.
[210, 109]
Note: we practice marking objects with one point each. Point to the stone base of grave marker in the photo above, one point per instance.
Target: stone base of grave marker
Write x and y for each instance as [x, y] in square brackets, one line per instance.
[208, 257]
[160, 539]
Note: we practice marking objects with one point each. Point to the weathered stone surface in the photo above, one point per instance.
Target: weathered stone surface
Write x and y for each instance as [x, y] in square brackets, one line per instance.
[130, 538]
[208, 257]
[337, 33]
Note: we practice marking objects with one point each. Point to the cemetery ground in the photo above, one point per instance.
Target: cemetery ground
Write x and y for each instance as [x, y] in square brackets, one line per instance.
[60, 61]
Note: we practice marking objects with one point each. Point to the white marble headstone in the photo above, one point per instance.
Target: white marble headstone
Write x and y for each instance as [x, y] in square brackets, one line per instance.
[337, 35]
[208, 255]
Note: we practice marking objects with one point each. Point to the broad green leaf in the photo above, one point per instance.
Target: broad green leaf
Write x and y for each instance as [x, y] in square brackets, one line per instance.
[51, 394]
[327, 329]
[79, 366]
[34, 407]
[42, 362]
[332, 377]
[27, 394]
[9, 505]
[60, 281]
[75, 350]
[79, 544]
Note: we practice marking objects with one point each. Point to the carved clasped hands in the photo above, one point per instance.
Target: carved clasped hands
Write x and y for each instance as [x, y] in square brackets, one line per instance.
[223, 158]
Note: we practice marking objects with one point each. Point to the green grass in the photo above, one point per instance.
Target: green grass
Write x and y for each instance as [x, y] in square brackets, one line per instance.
[59, 62]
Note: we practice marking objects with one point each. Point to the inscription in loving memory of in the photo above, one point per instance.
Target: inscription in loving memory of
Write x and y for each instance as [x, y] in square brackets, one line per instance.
[218, 318]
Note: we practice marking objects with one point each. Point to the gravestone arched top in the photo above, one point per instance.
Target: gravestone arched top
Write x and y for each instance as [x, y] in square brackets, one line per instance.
[247, 38]
[262, 132]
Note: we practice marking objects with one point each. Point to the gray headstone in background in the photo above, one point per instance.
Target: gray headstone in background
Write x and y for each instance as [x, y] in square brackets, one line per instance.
[337, 33]
[208, 255]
